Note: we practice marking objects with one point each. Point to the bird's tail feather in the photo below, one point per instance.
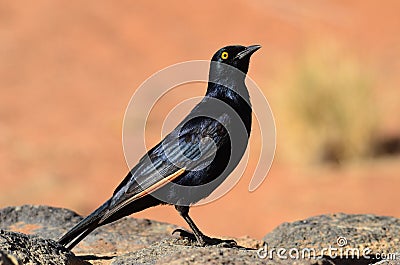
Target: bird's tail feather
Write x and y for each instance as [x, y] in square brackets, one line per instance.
[84, 227]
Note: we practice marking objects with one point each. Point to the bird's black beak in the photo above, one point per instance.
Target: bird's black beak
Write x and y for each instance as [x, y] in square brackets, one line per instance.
[247, 52]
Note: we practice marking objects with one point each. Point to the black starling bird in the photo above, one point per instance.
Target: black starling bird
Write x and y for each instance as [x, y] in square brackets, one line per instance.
[191, 161]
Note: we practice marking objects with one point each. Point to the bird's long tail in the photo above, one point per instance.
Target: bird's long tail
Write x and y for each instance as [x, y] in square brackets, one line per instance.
[84, 227]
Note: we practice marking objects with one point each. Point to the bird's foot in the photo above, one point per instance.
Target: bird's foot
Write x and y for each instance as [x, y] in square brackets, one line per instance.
[205, 240]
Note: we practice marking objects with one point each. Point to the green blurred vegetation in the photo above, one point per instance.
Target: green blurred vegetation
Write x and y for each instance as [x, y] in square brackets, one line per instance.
[325, 109]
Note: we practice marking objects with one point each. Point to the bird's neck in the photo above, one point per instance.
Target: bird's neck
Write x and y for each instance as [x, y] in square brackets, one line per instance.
[233, 91]
[236, 97]
[227, 83]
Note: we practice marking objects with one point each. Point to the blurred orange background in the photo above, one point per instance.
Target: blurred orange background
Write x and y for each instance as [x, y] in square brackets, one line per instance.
[68, 70]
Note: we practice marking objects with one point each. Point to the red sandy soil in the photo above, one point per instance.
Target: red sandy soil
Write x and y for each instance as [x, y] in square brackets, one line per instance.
[68, 70]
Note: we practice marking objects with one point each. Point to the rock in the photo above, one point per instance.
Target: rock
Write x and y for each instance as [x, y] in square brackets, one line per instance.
[46, 221]
[370, 235]
[27, 249]
[8, 259]
[142, 241]
[182, 252]
[177, 252]
[388, 262]
[125, 235]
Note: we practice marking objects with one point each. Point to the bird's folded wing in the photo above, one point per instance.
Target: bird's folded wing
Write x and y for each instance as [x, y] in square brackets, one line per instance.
[171, 158]
[142, 193]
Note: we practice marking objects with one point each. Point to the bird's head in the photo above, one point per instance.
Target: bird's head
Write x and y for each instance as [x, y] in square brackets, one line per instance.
[236, 55]
[227, 60]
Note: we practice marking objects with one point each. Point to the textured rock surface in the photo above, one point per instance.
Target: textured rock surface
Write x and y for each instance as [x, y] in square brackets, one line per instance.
[8, 259]
[388, 262]
[182, 252]
[48, 222]
[379, 234]
[34, 250]
[125, 235]
[141, 241]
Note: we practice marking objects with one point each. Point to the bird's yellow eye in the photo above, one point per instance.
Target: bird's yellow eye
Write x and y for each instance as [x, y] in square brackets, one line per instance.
[224, 55]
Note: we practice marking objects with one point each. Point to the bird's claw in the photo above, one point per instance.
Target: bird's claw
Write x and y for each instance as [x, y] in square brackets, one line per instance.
[185, 234]
[206, 241]
[227, 243]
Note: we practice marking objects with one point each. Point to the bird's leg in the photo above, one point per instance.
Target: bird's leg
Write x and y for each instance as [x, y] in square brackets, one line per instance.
[184, 212]
[202, 239]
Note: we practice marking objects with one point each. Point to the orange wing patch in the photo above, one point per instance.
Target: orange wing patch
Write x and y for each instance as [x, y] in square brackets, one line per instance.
[143, 193]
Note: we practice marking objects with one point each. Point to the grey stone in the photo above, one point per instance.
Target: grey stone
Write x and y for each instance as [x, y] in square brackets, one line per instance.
[181, 252]
[369, 234]
[8, 259]
[142, 241]
[121, 236]
[28, 249]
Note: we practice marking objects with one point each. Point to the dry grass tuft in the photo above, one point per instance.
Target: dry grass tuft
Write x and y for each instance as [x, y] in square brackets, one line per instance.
[324, 108]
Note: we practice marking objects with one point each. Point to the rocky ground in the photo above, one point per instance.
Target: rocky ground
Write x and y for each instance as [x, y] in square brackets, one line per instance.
[28, 235]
